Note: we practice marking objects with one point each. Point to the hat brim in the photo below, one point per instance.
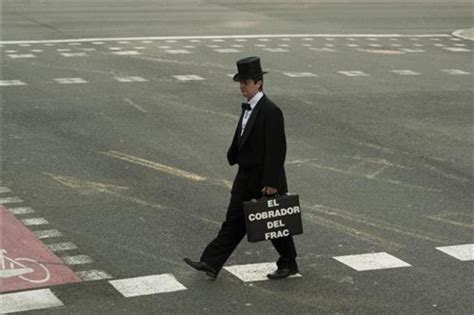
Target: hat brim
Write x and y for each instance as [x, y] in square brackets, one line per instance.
[238, 78]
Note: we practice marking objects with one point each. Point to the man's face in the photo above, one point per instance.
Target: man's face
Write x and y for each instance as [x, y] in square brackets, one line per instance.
[249, 88]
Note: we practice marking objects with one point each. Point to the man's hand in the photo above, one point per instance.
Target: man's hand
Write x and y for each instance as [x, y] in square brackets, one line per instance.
[269, 190]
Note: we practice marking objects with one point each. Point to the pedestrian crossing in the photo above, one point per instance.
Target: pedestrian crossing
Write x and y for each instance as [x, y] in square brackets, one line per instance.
[168, 282]
[198, 77]
[235, 45]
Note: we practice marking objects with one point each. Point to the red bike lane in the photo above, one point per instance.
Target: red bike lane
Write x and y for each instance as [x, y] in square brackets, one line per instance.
[25, 262]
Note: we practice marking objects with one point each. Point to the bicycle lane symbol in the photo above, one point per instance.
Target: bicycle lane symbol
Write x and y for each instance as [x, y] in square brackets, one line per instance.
[25, 262]
[25, 268]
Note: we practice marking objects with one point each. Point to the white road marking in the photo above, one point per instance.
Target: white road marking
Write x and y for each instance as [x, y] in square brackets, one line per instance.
[147, 42]
[70, 80]
[9, 199]
[409, 50]
[260, 45]
[405, 72]
[4, 190]
[263, 39]
[123, 42]
[195, 41]
[21, 210]
[463, 252]
[89, 49]
[24, 45]
[284, 45]
[59, 247]
[227, 50]
[460, 45]
[129, 101]
[455, 72]
[37, 50]
[189, 46]
[115, 48]
[217, 40]
[77, 260]
[11, 83]
[352, 45]
[418, 45]
[100, 41]
[166, 47]
[237, 46]
[240, 40]
[354, 73]
[21, 56]
[439, 45]
[126, 52]
[300, 74]
[47, 234]
[11, 51]
[456, 49]
[372, 39]
[49, 44]
[188, 77]
[414, 38]
[93, 275]
[74, 44]
[373, 261]
[178, 51]
[254, 272]
[34, 221]
[276, 49]
[396, 45]
[456, 39]
[375, 45]
[139, 47]
[76, 54]
[329, 45]
[156, 166]
[28, 301]
[130, 79]
[325, 49]
[63, 49]
[147, 285]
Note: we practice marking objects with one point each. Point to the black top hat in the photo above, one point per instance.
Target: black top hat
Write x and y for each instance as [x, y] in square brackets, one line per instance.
[248, 68]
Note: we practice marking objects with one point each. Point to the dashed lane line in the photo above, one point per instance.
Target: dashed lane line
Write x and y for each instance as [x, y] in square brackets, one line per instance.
[101, 41]
[156, 166]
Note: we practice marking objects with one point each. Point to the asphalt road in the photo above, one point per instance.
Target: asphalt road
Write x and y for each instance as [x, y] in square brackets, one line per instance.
[134, 174]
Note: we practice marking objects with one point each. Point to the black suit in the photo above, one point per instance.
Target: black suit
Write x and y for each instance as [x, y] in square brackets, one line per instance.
[260, 153]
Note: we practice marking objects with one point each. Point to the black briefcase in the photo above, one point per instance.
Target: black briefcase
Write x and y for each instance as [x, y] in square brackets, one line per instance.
[273, 217]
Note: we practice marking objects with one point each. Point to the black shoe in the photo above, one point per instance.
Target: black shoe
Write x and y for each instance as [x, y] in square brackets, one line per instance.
[202, 266]
[282, 273]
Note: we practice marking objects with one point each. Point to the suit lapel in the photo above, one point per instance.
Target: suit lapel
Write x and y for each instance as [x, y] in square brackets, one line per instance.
[250, 123]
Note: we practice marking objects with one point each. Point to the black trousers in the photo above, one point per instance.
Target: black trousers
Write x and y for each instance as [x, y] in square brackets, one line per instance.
[247, 185]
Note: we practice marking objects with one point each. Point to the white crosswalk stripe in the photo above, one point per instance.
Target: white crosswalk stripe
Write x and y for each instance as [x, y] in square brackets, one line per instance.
[76, 54]
[463, 252]
[405, 72]
[455, 72]
[93, 275]
[372, 261]
[354, 73]
[300, 74]
[21, 56]
[254, 272]
[130, 79]
[126, 53]
[147, 285]
[188, 77]
[70, 80]
[28, 301]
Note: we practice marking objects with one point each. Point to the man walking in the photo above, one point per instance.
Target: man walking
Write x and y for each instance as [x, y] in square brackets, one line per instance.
[259, 149]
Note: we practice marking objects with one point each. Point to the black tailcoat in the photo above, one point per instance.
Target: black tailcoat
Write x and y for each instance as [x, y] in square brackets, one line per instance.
[260, 153]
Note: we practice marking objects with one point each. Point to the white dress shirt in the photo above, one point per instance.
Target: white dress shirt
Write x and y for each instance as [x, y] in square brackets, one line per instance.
[253, 102]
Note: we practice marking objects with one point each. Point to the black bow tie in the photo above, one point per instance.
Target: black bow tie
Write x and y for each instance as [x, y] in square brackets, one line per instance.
[246, 106]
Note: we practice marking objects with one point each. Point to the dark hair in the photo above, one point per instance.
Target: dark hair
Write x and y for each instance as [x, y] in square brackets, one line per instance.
[258, 78]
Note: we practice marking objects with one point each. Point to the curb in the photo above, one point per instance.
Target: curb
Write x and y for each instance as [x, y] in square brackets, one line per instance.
[465, 34]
